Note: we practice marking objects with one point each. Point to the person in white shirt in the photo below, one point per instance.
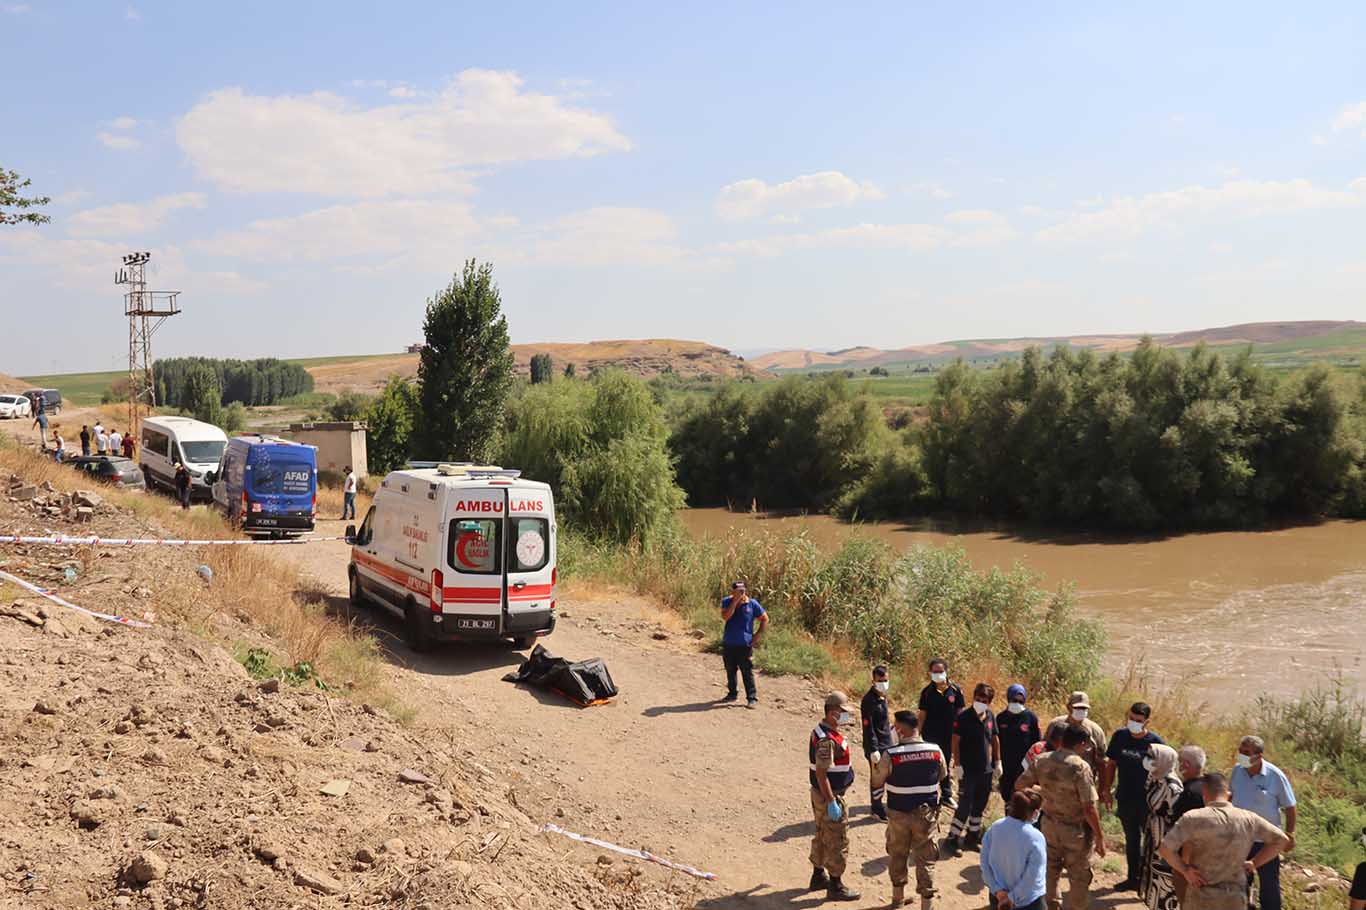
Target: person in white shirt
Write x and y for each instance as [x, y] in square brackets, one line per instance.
[115, 442]
[349, 494]
[101, 441]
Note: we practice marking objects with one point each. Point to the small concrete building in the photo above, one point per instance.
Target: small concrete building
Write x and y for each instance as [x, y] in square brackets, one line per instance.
[340, 443]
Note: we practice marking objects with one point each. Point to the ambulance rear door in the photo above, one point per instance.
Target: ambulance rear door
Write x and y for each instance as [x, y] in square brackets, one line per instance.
[530, 557]
[472, 586]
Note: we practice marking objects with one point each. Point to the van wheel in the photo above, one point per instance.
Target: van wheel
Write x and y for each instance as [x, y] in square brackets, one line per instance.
[415, 634]
[524, 642]
[357, 595]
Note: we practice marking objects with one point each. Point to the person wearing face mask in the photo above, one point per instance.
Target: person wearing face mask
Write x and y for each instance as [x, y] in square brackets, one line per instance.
[1210, 847]
[1261, 787]
[1071, 822]
[940, 702]
[1356, 897]
[877, 734]
[1014, 856]
[1164, 787]
[832, 773]
[976, 750]
[1129, 746]
[1079, 715]
[910, 771]
[1019, 729]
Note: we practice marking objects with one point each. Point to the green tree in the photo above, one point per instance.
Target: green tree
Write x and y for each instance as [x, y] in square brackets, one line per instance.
[14, 206]
[234, 418]
[202, 396]
[350, 405]
[542, 369]
[389, 421]
[465, 370]
[569, 371]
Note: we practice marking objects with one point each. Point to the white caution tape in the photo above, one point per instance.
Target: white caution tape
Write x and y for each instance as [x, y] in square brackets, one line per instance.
[43, 592]
[62, 541]
[627, 851]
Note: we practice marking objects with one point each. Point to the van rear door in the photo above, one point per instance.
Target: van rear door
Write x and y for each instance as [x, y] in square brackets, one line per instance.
[472, 589]
[530, 557]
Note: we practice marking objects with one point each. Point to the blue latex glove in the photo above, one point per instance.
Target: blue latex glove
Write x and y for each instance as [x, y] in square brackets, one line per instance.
[833, 811]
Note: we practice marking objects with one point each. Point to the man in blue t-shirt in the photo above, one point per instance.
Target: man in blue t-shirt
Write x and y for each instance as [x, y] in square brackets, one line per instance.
[739, 611]
[1124, 761]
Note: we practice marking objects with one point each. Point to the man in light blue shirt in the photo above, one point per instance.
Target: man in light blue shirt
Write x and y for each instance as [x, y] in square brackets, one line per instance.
[1259, 786]
[1014, 856]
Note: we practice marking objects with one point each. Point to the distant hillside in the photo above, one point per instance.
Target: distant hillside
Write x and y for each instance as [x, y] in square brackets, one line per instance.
[1271, 341]
[645, 357]
[11, 386]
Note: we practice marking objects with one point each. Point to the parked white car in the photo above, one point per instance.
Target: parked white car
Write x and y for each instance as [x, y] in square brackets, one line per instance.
[14, 406]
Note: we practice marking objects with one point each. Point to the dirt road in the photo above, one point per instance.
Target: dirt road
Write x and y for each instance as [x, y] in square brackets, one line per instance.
[664, 766]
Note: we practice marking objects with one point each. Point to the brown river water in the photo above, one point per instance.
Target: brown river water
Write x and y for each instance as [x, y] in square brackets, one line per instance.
[1236, 613]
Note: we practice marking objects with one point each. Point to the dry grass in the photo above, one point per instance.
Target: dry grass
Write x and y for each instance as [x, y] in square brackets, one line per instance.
[249, 587]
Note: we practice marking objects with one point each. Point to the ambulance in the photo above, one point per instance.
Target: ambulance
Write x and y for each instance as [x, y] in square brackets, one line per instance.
[458, 552]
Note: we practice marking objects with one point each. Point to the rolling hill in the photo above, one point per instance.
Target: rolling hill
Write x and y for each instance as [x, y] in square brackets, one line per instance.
[1280, 342]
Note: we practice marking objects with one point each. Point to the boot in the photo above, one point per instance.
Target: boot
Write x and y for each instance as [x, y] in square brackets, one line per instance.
[898, 896]
[879, 809]
[819, 880]
[949, 846]
[973, 842]
[836, 891]
[927, 903]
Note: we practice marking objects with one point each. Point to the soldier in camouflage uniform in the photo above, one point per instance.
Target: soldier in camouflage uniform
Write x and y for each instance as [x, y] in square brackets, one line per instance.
[1071, 824]
[1209, 848]
[911, 771]
[832, 773]
[1079, 715]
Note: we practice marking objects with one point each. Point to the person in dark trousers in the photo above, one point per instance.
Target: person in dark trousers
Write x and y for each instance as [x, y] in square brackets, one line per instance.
[1261, 787]
[740, 612]
[40, 421]
[976, 760]
[1124, 758]
[877, 734]
[1018, 728]
[182, 485]
[85, 440]
[940, 703]
[129, 445]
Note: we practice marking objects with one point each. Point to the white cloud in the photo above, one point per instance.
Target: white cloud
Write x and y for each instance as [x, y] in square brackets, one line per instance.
[322, 143]
[1351, 117]
[117, 142]
[87, 265]
[366, 230]
[606, 235]
[403, 91]
[15, 9]
[826, 189]
[123, 123]
[1132, 215]
[971, 227]
[930, 188]
[130, 219]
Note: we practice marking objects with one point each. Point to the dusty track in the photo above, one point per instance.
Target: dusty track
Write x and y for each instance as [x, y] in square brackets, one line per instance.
[664, 766]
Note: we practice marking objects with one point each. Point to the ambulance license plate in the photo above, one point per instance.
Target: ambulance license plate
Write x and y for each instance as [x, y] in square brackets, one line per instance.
[483, 624]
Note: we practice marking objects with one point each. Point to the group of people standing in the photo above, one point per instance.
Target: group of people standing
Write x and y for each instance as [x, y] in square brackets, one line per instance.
[1193, 839]
[106, 443]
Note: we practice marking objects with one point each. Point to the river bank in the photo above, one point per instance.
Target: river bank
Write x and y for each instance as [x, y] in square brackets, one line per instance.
[1241, 613]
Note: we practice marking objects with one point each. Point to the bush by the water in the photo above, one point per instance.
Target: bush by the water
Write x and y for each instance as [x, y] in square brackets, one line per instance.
[862, 598]
[601, 447]
[252, 382]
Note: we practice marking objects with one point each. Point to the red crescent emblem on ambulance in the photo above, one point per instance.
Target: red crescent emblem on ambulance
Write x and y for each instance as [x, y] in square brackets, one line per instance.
[472, 550]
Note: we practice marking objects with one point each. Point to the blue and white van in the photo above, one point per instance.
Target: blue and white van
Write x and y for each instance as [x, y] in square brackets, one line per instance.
[268, 485]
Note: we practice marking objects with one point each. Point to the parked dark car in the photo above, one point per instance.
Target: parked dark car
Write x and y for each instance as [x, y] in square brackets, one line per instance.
[121, 472]
[52, 400]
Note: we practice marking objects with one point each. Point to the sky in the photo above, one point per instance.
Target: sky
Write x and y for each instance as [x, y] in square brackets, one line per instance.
[757, 176]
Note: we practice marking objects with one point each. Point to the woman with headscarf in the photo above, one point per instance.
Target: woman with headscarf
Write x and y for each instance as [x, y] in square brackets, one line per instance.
[1164, 788]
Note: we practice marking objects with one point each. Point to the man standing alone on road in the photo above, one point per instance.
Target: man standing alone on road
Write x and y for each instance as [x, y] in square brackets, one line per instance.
[940, 703]
[1128, 747]
[349, 494]
[877, 734]
[1261, 787]
[739, 612]
[832, 773]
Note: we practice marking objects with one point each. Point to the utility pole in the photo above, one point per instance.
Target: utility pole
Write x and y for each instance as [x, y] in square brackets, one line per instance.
[146, 311]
